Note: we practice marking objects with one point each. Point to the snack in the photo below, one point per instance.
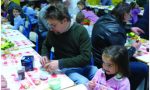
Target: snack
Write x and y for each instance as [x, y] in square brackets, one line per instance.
[26, 85]
[37, 82]
[6, 44]
[43, 77]
[86, 21]
[131, 34]
[143, 40]
[139, 53]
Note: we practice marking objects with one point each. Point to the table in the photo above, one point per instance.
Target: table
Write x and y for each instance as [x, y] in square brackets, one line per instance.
[110, 8]
[142, 54]
[10, 64]
[17, 38]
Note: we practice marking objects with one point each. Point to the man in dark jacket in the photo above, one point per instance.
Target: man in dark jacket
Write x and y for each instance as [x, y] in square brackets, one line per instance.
[110, 30]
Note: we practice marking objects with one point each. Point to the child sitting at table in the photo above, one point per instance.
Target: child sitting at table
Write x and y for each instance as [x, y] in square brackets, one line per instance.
[80, 18]
[114, 71]
[31, 14]
[135, 10]
[89, 14]
[18, 20]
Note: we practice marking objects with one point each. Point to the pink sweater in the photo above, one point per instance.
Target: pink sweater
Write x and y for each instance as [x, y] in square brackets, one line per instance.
[113, 83]
[90, 15]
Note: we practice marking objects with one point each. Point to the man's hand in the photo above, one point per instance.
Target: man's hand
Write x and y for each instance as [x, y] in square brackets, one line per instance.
[51, 66]
[44, 60]
[137, 30]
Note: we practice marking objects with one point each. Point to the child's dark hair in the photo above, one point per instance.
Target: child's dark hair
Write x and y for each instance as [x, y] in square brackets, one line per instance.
[80, 17]
[31, 4]
[16, 8]
[118, 55]
[58, 12]
[132, 5]
[81, 3]
[20, 10]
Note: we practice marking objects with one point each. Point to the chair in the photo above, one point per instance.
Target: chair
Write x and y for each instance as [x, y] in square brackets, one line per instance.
[51, 53]
[21, 29]
[33, 36]
[28, 26]
[92, 60]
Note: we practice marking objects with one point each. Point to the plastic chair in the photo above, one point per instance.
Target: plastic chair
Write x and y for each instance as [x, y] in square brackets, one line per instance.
[51, 53]
[92, 60]
[33, 36]
[28, 26]
[23, 31]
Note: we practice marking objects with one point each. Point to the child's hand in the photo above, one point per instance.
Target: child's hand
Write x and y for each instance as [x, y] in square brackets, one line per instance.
[92, 84]
[103, 88]
[137, 45]
[137, 30]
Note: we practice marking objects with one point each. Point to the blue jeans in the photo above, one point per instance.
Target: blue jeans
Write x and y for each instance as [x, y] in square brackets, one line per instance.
[80, 75]
[139, 71]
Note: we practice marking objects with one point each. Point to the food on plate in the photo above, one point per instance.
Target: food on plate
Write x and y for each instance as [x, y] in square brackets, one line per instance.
[86, 21]
[26, 85]
[131, 34]
[143, 40]
[6, 44]
[37, 82]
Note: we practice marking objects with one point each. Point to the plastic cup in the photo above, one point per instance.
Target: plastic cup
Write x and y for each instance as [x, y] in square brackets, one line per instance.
[55, 84]
[21, 73]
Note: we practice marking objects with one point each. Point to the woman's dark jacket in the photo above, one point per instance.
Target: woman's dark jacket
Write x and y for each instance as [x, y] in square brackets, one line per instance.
[107, 31]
